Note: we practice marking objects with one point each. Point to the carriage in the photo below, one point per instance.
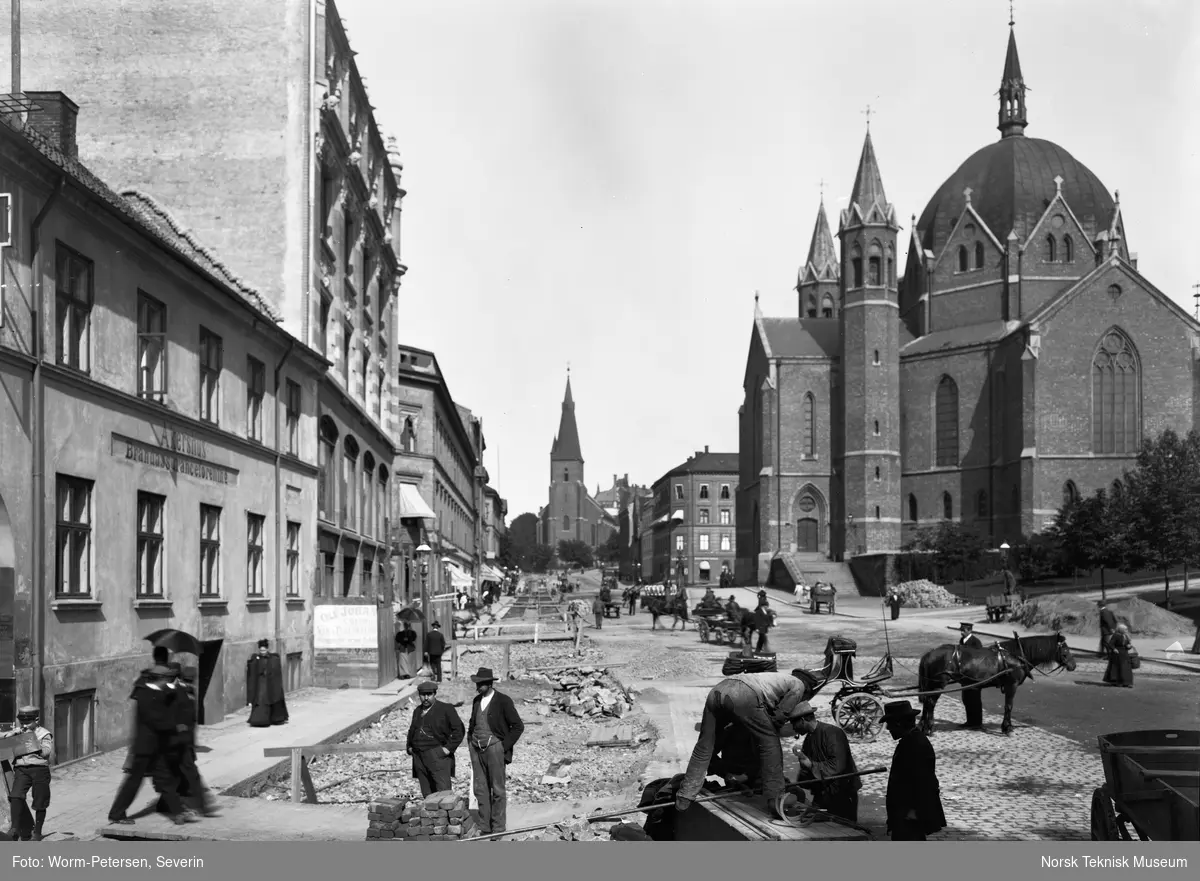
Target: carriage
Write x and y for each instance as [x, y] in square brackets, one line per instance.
[999, 605]
[857, 707]
[713, 625]
[1151, 783]
[822, 594]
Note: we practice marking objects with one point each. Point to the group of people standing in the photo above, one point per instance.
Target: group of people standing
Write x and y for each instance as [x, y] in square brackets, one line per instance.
[408, 660]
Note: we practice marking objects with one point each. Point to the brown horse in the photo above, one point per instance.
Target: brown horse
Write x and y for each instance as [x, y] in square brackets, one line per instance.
[1004, 665]
[674, 607]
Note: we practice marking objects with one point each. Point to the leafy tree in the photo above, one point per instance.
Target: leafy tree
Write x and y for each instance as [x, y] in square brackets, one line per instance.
[610, 551]
[1091, 534]
[955, 546]
[540, 556]
[1159, 504]
[576, 551]
[518, 542]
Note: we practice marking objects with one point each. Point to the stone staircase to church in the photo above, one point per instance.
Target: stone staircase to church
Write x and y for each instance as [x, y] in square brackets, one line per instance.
[788, 568]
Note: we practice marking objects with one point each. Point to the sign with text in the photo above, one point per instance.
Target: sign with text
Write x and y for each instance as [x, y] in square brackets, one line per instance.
[177, 453]
[345, 627]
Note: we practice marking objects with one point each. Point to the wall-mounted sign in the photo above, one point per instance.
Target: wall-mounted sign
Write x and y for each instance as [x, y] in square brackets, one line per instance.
[176, 455]
[345, 627]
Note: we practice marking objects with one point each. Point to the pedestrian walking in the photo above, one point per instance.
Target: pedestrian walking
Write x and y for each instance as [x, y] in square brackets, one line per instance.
[264, 688]
[972, 698]
[762, 703]
[406, 650]
[1120, 658]
[825, 752]
[1108, 626]
[154, 725]
[764, 620]
[892, 600]
[598, 611]
[181, 754]
[575, 617]
[493, 731]
[914, 801]
[434, 735]
[31, 774]
[435, 647]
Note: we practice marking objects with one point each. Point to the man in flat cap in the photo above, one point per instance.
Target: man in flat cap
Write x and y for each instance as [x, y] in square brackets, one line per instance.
[825, 752]
[31, 772]
[434, 734]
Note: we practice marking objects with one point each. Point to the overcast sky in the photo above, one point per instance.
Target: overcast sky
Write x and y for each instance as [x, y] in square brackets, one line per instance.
[608, 183]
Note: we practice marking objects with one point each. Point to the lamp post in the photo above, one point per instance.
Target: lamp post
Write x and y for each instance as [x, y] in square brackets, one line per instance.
[851, 533]
[423, 551]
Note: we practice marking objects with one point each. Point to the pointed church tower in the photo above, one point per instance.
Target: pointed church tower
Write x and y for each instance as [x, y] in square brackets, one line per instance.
[1012, 92]
[565, 454]
[817, 282]
[566, 518]
[869, 467]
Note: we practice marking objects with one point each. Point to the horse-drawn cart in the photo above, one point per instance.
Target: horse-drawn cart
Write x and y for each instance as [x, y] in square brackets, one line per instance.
[611, 609]
[822, 594]
[999, 605]
[714, 625]
[1152, 783]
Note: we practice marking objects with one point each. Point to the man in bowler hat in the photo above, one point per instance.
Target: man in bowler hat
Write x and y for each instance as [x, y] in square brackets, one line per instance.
[914, 801]
[493, 731]
[972, 698]
[434, 735]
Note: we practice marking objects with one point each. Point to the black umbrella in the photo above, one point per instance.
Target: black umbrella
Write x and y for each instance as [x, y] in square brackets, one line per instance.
[410, 614]
[176, 641]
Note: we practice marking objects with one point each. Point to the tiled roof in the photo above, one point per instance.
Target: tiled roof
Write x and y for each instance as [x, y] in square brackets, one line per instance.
[145, 215]
[799, 337]
[708, 463]
[958, 337]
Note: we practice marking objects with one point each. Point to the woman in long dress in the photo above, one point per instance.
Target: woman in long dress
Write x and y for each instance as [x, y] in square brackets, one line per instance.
[264, 688]
[1120, 667]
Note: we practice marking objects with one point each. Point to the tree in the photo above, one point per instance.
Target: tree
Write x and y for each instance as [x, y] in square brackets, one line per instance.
[955, 547]
[1160, 505]
[610, 551]
[540, 556]
[520, 540]
[1091, 535]
[575, 550]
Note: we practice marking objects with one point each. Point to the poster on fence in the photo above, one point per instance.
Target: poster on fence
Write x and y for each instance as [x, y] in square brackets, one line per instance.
[345, 627]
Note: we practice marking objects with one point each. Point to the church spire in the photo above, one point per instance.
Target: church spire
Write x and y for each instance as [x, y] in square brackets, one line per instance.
[566, 445]
[868, 183]
[1012, 92]
[822, 262]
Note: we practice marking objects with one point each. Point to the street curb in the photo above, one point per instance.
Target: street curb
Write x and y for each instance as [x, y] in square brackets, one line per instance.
[256, 783]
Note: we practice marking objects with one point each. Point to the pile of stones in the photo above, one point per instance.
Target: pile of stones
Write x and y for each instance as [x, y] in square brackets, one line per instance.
[440, 816]
[582, 692]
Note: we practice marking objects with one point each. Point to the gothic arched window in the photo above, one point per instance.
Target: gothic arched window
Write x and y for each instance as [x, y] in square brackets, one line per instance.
[947, 507]
[1116, 410]
[981, 508]
[962, 258]
[979, 255]
[566, 522]
[1068, 250]
[827, 306]
[1070, 493]
[912, 507]
[857, 266]
[810, 433]
[946, 422]
[1050, 249]
[812, 305]
[873, 271]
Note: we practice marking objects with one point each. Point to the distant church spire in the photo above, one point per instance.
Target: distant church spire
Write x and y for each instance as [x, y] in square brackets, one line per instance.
[566, 445]
[822, 262]
[1012, 90]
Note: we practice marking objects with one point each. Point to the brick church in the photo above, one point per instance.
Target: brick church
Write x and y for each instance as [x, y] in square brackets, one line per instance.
[571, 512]
[1018, 360]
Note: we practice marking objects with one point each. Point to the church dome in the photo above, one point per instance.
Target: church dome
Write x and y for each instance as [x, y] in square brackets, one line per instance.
[1012, 183]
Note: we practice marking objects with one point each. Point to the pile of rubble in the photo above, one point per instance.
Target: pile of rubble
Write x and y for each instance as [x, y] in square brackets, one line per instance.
[581, 692]
[924, 594]
[575, 829]
[442, 816]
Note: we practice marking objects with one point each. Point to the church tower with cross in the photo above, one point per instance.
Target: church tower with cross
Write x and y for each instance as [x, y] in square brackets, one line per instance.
[1015, 362]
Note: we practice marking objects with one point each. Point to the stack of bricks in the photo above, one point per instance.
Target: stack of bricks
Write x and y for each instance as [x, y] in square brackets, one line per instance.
[440, 816]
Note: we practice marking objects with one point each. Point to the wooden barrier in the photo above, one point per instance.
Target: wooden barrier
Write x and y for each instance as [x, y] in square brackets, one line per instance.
[301, 754]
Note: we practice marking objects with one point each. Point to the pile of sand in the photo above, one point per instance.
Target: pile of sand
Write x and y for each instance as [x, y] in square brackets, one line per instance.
[924, 594]
[1074, 614]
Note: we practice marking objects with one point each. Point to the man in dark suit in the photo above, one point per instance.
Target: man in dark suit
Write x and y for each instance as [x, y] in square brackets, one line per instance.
[183, 743]
[972, 698]
[914, 801]
[492, 733]
[1108, 626]
[155, 723]
[826, 753]
[434, 734]
[435, 647]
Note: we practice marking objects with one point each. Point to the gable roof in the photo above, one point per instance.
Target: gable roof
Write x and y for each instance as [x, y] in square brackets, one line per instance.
[708, 463]
[801, 337]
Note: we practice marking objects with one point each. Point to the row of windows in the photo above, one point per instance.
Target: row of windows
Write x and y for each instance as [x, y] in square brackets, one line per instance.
[725, 514]
[74, 300]
[703, 491]
[352, 497]
[875, 264]
[981, 505]
[457, 527]
[447, 450]
[1116, 403]
[826, 306]
[355, 578]
[704, 542]
[1053, 253]
[75, 530]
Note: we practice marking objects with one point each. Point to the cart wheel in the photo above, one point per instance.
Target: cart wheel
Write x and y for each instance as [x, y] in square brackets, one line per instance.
[1104, 818]
[702, 626]
[859, 715]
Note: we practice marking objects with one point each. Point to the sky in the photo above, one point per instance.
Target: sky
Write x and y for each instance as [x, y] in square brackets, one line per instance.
[608, 183]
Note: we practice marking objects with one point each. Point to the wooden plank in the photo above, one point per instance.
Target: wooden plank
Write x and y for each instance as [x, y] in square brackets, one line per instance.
[1134, 750]
[310, 793]
[297, 760]
[325, 749]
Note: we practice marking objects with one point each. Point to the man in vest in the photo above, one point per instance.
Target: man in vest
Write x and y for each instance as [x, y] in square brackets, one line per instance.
[434, 734]
[494, 730]
[972, 698]
[31, 771]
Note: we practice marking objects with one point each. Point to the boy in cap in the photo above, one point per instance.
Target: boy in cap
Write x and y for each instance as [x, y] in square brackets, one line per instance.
[972, 698]
[493, 731]
[434, 735]
[826, 753]
[914, 802]
[31, 771]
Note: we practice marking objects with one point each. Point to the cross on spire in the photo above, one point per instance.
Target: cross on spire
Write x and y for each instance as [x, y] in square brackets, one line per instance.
[867, 113]
[822, 189]
[1196, 296]
[1011, 20]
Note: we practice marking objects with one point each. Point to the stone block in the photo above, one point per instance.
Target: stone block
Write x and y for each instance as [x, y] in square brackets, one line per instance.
[387, 833]
[457, 814]
[439, 830]
[427, 822]
[434, 799]
[418, 838]
[372, 833]
[454, 829]
[402, 832]
[450, 802]
[437, 815]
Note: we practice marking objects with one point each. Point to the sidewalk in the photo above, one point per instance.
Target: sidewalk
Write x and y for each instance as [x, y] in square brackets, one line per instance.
[229, 753]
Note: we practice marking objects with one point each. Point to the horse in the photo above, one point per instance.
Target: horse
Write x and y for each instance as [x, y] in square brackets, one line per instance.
[674, 606]
[1004, 665]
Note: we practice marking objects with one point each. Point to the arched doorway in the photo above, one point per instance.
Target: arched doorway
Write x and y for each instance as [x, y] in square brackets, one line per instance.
[808, 512]
[8, 592]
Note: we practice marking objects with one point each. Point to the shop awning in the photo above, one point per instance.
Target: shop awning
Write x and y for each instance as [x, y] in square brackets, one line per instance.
[678, 515]
[490, 574]
[704, 565]
[661, 520]
[458, 578]
[412, 505]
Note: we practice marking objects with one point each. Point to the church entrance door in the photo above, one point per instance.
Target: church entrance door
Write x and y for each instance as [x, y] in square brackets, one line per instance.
[806, 536]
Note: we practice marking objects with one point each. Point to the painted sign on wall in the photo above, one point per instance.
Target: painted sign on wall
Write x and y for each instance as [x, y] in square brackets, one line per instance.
[345, 627]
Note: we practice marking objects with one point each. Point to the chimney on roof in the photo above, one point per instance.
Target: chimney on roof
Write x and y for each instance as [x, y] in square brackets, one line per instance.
[706, 448]
[55, 121]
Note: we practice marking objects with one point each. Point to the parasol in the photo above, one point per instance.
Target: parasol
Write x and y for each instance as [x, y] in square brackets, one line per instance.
[410, 614]
[176, 641]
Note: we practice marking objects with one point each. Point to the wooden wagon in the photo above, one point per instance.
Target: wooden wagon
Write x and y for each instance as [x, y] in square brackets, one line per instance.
[999, 605]
[714, 625]
[1152, 783]
[822, 594]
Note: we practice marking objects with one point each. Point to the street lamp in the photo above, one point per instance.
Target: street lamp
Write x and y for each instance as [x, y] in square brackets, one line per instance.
[852, 535]
[423, 552]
